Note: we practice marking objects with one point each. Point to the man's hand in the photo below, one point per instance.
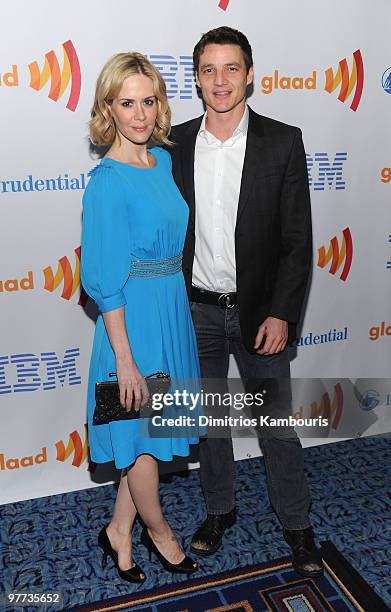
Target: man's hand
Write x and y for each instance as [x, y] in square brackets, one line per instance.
[276, 333]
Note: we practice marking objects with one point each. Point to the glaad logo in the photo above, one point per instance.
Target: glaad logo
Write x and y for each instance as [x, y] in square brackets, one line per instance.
[385, 175]
[77, 446]
[59, 77]
[69, 278]
[26, 372]
[11, 78]
[326, 408]
[347, 82]
[329, 173]
[386, 80]
[14, 463]
[343, 78]
[338, 255]
[379, 331]
[270, 83]
[178, 75]
[14, 284]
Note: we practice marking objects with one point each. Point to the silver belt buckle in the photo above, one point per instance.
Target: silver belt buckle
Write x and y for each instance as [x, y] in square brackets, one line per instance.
[227, 298]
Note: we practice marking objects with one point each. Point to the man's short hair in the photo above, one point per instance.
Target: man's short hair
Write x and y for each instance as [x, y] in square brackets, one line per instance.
[223, 35]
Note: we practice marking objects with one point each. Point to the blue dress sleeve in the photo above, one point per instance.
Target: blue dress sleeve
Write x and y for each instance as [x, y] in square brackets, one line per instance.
[105, 245]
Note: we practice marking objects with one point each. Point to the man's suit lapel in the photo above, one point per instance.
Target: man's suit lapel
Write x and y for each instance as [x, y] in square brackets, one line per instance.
[251, 160]
[187, 158]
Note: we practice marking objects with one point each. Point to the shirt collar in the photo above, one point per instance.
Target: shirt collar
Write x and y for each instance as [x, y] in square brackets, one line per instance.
[240, 131]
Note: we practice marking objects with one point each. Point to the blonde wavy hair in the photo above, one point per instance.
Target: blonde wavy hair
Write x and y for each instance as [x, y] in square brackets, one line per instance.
[102, 126]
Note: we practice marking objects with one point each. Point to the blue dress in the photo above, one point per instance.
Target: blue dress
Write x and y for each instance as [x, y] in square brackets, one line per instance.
[130, 214]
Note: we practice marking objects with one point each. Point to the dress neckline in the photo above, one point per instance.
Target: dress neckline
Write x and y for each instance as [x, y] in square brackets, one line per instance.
[111, 159]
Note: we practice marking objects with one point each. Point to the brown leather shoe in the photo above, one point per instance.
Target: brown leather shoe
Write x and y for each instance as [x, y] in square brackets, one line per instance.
[306, 557]
[207, 539]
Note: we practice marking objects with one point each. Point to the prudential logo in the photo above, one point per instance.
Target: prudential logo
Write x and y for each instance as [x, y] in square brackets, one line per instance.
[386, 80]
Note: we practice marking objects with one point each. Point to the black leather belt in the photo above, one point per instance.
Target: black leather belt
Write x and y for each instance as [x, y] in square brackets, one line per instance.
[202, 296]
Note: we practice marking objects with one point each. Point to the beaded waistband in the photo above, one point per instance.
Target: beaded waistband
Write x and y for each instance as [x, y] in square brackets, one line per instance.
[152, 268]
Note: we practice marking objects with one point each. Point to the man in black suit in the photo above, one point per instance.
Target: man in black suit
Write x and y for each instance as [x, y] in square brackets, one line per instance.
[246, 262]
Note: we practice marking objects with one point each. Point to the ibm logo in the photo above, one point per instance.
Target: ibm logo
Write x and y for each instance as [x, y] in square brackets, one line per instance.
[178, 74]
[328, 173]
[24, 372]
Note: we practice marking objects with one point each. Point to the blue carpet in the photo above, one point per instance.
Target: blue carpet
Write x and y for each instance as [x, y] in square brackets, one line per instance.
[267, 587]
[49, 544]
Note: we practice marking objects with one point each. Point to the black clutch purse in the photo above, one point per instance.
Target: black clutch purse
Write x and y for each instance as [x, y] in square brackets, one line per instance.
[107, 404]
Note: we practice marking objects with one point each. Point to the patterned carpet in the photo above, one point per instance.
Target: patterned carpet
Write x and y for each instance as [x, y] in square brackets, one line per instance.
[49, 544]
[266, 587]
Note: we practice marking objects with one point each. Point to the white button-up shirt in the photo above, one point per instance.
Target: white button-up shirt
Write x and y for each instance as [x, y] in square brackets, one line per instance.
[217, 176]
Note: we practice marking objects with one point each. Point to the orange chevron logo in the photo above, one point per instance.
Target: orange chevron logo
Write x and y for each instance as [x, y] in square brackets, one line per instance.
[329, 408]
[69, 278]
[337, 255]
[347, 81]
[76, 445]
[59, 79]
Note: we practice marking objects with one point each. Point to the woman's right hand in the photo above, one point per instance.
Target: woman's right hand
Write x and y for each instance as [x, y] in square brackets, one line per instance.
[133, 390]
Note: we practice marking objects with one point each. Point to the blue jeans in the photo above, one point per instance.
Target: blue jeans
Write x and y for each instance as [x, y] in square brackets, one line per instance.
[218, 335]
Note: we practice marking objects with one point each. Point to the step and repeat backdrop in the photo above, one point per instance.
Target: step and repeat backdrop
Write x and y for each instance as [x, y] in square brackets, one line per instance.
[328, 72]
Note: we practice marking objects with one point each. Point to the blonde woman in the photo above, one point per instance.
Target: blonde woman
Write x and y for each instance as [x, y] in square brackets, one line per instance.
[134, 225]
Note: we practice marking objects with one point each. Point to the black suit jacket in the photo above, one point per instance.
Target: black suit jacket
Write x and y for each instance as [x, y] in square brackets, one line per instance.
[273, 239]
